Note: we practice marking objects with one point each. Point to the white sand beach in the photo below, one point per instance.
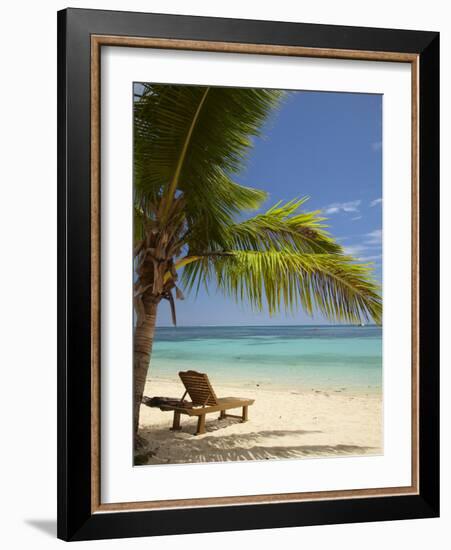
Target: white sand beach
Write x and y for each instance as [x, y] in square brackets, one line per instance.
[282, 424]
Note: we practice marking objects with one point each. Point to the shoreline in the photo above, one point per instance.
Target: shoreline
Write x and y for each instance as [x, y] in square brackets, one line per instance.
[289, 386]
[283, 424]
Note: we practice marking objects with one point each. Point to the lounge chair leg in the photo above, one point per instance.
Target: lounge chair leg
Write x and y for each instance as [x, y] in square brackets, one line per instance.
[201, 425]
[176, 423]
[245, 415]
[222, 415]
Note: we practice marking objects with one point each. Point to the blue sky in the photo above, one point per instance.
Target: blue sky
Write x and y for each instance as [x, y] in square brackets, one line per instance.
[327, 146]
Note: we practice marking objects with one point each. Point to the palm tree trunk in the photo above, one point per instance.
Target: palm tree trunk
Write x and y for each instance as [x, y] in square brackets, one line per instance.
[143, 341]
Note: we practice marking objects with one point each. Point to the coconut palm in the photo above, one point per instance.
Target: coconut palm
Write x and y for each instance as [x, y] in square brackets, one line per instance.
[190, 219]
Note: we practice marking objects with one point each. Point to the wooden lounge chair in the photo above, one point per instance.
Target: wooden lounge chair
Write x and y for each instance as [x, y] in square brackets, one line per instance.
[204, 401]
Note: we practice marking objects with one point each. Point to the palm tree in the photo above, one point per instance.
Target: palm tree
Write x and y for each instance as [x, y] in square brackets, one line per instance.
[189, 142]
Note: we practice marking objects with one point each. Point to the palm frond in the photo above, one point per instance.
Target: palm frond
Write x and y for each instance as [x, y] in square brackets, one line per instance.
[331, 283]
[283, 226]
[190, 141]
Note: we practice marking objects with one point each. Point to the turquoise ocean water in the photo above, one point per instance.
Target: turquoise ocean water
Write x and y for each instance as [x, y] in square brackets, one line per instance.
[344, 358]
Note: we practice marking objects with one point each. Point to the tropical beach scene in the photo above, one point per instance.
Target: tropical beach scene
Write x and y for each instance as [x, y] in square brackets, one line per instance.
[257, 274]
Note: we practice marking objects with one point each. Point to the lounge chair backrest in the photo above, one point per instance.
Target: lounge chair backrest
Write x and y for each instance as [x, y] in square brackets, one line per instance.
[199, 388]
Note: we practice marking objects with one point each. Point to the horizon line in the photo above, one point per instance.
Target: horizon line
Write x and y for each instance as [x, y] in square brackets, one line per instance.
[271, 325]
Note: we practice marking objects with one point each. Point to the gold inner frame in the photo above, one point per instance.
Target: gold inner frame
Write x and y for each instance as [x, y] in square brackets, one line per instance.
[97, 41]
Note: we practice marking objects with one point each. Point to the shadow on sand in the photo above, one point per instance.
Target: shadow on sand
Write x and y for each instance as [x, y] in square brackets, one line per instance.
[246, 446]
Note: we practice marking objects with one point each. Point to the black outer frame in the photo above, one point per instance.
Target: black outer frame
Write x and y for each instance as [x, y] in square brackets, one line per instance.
[75, 520]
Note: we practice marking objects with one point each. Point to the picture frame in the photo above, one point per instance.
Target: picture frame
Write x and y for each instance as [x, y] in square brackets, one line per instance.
[81, 36]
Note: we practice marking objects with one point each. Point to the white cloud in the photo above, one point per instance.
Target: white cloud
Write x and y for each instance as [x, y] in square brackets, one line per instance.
[374, 237]
[369, 247]
[376, 202]
[354, 249]
[371, 258]
[336, 207]
[356, 218]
